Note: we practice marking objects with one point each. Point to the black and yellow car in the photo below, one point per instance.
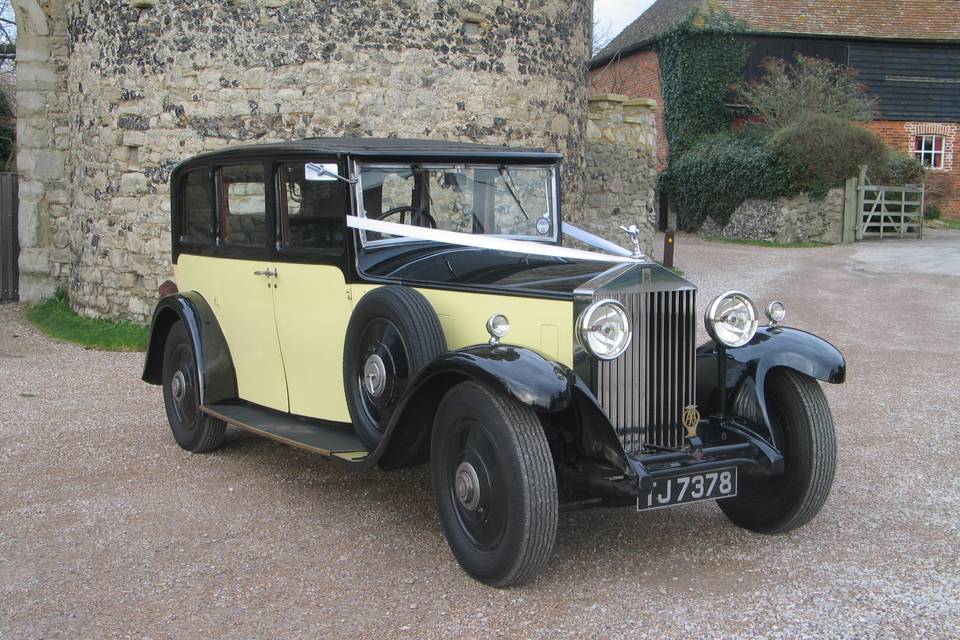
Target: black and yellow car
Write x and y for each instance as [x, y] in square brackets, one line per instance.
[394, 302]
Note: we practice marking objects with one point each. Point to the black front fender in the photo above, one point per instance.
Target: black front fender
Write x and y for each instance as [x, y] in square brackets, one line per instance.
[218, 380]
[771, 347]
[522, 374]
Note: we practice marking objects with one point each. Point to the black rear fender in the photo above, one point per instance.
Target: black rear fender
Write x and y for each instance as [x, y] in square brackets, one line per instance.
[218, 380]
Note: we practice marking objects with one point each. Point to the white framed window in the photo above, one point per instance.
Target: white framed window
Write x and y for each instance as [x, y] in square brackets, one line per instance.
[928, 149]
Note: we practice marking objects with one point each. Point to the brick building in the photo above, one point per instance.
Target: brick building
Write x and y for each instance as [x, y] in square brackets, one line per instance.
[906, 52]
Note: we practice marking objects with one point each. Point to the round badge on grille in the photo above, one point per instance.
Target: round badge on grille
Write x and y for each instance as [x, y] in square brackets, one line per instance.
[691, 420]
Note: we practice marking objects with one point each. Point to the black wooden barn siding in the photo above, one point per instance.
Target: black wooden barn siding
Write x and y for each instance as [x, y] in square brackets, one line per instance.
[913, 82]
[918, 82]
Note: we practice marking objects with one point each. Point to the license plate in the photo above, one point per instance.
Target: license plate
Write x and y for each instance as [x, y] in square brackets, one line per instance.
[690, 487]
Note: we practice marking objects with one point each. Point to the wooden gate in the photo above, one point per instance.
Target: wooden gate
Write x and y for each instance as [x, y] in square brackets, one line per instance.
[889, 212]
[9, 245]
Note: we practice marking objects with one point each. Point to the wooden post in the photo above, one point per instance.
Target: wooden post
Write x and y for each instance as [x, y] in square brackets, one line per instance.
[668, 249]
[849, 211]
[861, 181]
[9, 243]
[923, 193]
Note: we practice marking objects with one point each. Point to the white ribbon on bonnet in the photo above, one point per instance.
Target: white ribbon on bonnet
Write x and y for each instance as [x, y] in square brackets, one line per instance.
[616, 254]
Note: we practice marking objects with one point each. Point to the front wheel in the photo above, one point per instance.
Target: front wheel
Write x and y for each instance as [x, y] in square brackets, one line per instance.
[801, 418]
[495, 485]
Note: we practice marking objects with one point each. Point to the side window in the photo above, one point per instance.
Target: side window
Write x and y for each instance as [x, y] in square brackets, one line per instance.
[243, 205]
[196, 211]
[928, 149]
[312, 208]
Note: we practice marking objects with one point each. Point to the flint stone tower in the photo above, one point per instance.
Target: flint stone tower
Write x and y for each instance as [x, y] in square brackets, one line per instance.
[113, 93]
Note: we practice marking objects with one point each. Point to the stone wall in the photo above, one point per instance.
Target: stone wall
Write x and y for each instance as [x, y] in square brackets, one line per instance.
[795, 219]
[135, 87]
[42, 145]
[621, 167]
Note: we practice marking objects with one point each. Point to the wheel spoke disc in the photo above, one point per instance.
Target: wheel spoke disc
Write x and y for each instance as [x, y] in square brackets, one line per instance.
[185, 390]
[483, 516]
[382, 338]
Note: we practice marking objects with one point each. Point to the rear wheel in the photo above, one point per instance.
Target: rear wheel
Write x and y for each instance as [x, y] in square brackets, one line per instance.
[801, 418]
[495, 485]
[192, 429]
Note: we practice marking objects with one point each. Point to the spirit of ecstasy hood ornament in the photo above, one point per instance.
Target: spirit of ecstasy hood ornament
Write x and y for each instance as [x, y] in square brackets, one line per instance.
[634, 232]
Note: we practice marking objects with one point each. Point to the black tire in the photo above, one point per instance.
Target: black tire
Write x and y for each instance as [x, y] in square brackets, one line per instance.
[192, 429]
[503, 533]
[397, 326]
[801, 416]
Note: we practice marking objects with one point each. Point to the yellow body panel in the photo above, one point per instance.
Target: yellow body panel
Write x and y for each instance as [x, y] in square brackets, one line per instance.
[313, 310]
[546, 326]
[287, 342]
[243, 304]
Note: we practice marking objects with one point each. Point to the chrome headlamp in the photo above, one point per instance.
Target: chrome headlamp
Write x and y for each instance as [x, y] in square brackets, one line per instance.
[731, 319]
[776, 312]
[604, 329]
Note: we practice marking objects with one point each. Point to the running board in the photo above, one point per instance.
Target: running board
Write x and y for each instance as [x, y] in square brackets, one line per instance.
[326, 438]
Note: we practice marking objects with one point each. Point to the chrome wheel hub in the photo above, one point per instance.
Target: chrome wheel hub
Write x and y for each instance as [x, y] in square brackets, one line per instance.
[374, 376]
[178, 386]
[466, 485]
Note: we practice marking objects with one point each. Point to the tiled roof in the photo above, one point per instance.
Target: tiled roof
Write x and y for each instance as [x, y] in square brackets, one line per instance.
[880, 19]
[659, 17]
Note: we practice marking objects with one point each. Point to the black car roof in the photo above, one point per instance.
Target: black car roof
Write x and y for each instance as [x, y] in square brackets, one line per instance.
[381, 148]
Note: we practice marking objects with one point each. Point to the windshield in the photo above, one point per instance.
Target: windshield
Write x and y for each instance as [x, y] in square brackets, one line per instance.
[516, 201]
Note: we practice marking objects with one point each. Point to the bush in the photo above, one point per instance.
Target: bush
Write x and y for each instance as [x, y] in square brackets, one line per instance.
[932, 212]
[941, 189]
[718, 173]
[785, 92]
[896, 169]
[820, 151]
[812, 154]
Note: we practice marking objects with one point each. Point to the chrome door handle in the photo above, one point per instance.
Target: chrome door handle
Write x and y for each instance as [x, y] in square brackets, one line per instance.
[270, 273]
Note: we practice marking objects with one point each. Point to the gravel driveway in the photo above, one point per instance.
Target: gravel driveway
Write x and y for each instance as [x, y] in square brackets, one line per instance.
[108, 529]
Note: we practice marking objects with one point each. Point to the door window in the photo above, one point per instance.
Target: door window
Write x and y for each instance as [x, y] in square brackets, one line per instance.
[243, 205]
[312, 209]
[196, 218]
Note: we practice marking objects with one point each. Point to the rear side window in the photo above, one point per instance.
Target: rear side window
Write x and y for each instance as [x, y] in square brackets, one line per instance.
[196, 223]
[312, 208]
[243, 205]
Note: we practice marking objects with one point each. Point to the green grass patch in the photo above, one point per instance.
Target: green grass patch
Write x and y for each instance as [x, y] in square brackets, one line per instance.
[767, 243]
[950, 223]
[56, 319]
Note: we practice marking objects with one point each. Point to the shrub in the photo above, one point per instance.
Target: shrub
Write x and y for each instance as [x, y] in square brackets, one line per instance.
[819, 152]
[808, 85]
[718, 173]
[896, 169]
[940, 189]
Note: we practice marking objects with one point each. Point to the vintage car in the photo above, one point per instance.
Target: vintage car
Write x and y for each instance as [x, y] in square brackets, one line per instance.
[394, 302]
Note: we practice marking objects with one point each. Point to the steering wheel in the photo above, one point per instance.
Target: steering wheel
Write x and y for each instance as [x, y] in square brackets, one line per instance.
[418, 217]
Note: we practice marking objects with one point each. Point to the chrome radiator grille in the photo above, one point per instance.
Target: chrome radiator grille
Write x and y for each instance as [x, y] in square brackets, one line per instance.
[645, 390]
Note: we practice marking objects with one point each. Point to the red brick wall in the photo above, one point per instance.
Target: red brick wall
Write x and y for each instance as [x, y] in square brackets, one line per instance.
[636, 76]
[899, 135]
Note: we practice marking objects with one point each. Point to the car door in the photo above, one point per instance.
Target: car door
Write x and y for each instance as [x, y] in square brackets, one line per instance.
[311, 296]
[238, 279]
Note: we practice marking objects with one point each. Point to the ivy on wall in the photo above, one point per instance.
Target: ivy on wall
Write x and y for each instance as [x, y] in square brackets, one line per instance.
[701, 59]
